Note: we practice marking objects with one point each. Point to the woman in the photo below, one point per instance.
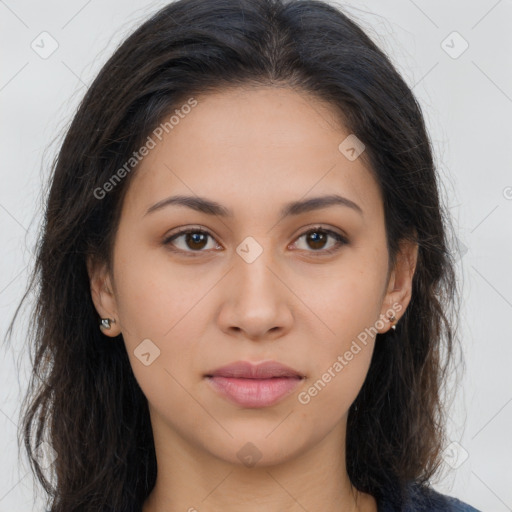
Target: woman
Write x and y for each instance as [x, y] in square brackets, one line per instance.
[244, 281]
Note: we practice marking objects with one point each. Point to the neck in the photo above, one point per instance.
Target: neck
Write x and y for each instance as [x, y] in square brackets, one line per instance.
[193, 480]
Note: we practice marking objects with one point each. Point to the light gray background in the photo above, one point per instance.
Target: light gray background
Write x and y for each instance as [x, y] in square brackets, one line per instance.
[467, 102]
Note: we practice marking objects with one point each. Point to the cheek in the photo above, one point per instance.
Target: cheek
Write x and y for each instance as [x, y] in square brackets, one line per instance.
[155, 296]
[347, 304]
[345, 299]
[339, 365]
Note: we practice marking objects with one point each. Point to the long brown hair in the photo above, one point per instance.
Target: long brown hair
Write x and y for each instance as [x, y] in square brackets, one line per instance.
[83, 399]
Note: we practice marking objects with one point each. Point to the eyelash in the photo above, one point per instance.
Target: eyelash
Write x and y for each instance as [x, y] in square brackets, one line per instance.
[341, 240]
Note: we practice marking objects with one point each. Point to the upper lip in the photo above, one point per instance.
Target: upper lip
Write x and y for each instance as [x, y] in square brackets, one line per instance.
[248, 370]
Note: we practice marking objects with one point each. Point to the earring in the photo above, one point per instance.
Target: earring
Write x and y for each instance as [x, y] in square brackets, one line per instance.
[392, 320]
[106, 323]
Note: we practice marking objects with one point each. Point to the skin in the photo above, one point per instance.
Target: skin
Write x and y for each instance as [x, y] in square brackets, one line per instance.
[251, 150]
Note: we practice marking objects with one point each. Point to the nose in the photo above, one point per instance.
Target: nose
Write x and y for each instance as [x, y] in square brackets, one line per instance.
[256, 302]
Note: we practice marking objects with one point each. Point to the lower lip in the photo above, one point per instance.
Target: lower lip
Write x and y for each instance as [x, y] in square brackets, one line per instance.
[254, 392]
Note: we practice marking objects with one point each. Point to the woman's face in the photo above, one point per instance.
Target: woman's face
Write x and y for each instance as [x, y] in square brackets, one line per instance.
[259, 286]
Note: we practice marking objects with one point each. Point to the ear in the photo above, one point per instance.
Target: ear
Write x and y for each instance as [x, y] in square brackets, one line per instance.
[103, 296]
[399, 288]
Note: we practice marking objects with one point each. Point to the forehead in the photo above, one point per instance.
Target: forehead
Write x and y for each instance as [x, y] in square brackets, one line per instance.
[253, 146]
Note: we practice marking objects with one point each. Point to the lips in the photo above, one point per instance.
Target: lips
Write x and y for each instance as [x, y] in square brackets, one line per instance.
[250, 385]
[247, 370]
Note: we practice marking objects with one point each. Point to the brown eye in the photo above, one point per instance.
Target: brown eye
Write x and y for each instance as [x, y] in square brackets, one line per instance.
[191, 240]
[196, 240]
[318, 238]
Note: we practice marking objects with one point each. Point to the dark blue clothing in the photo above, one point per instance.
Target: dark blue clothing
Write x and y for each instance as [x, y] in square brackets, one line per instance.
[421, 499]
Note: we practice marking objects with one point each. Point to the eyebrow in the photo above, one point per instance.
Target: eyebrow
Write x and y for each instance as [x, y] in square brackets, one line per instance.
[210, 207]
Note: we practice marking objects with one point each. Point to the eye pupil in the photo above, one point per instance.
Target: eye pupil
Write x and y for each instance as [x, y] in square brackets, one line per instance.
[196, 238]
[317, 237]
